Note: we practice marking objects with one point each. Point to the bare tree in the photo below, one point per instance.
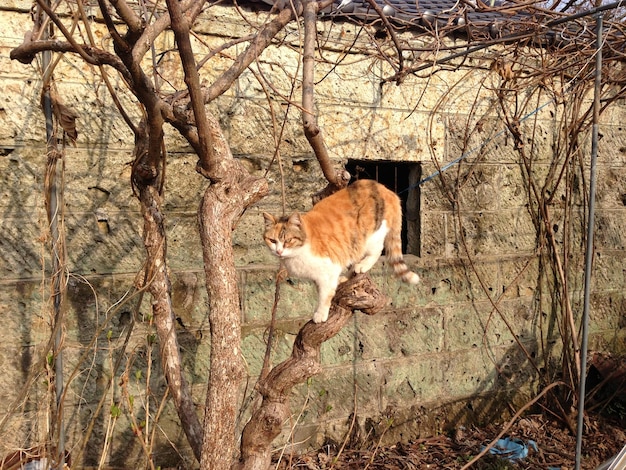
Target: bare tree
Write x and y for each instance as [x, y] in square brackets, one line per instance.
[232, 189]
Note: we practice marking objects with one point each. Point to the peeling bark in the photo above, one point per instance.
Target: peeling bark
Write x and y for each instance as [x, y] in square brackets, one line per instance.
[164, 318]
[358, 293]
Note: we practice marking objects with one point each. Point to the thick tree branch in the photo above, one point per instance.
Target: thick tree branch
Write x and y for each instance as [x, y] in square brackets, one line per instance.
[154, 30]
[133, 21]
[312, 131]
[164, 318]
[208, 155]
[252, 53]
[27, 51]
[358, 293]
[179, 118]
[119, 42]
[147, 163]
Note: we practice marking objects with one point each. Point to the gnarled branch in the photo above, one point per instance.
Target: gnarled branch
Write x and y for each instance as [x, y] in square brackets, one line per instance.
[358, 293]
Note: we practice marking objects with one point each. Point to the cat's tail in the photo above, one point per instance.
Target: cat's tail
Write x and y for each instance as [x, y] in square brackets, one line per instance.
[393, 251]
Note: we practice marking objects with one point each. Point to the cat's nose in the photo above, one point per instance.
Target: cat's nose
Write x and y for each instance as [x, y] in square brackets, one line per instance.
[279, 251]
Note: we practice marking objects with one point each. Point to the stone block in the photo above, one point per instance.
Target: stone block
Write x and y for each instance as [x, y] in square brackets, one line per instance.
[469, 372]
[602, 311]
[465, 329]
[400, 333]
[102, 244]
[377, 134]
[189, 299]
[414, 380]
[346, 346]
[415, 96]
[183, 241]
[610, 184]
[336, 392]
[432, 199]
[481, 371]
[487, 232]
[254, 345]
[435, 237]
[612, 145]
[21, 180]
[519, 276]
[608, 273]
[483, 326]
[23, 305]
[19, 122]
[613, 341]
[610, 230]
[515, 368]
[297, 298]
[23, 253]
[400, 294]
[331, 89]
[440, 284]
[248, 244]
[247, 125]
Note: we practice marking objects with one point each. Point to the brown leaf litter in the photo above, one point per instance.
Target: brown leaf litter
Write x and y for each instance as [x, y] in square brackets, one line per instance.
[556, 449]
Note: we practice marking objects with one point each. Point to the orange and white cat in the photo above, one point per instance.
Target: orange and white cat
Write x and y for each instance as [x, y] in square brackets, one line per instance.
[345, 231]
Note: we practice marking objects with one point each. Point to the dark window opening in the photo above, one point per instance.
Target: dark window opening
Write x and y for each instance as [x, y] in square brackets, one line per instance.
[402, 178]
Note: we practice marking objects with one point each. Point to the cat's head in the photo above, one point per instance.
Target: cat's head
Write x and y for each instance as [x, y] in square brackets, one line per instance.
[284, 235]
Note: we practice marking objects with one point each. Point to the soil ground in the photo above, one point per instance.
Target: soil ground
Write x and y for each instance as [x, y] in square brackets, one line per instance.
[555, 449]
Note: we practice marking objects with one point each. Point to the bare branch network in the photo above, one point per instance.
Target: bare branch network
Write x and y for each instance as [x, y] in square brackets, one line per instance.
[527, 46]
[421, 36]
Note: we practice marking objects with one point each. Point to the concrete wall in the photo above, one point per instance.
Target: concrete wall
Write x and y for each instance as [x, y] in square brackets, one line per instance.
[439, 355]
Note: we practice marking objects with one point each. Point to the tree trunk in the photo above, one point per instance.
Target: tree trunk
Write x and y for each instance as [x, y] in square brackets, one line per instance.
[222, 204]
[358, 293]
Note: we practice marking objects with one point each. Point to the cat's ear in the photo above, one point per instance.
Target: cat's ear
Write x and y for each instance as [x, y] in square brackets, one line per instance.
[294, 219]
[269, 219]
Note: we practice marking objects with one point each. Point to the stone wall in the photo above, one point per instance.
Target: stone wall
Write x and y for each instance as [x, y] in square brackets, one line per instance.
[443, 352]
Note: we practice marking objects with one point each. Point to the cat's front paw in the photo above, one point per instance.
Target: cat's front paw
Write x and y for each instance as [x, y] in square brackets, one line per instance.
[320, 316]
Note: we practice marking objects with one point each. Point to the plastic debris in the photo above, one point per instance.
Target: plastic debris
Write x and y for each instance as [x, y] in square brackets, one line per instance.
[617, 462]
[513, 449]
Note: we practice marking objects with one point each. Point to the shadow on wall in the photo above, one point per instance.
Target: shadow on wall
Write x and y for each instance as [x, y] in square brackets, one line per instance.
[496, 398]
[508, 387]
[123, 369]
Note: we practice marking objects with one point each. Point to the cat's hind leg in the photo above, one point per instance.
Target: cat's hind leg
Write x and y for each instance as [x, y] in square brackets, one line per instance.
[366, 263]
[373, 249]
[346, 275]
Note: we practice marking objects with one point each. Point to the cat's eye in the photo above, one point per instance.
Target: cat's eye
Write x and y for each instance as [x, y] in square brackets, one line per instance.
[290, 240]
[272, 240]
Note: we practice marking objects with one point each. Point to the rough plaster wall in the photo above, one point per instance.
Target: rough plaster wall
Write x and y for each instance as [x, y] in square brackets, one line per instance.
[439, 355]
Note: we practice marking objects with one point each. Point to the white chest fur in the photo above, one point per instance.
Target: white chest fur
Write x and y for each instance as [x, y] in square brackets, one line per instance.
[304, 264]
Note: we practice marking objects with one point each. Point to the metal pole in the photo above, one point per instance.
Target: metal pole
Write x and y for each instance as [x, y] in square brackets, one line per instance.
[589, 248]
